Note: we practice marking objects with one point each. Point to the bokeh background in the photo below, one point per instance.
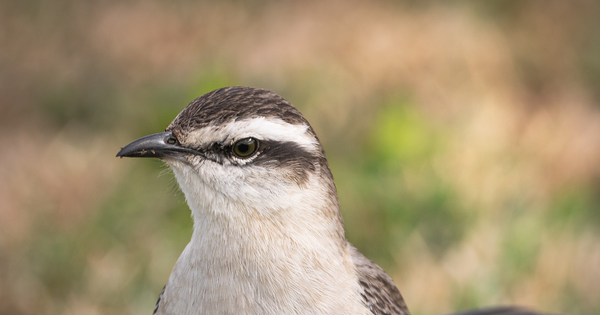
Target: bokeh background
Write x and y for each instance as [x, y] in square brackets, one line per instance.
[464, 137]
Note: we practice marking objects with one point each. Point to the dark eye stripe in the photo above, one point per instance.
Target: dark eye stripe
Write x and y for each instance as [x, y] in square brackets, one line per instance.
[273, 154]
[288, 155]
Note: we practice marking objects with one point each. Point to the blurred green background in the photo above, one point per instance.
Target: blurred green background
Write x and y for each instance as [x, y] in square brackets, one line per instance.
[464, 137]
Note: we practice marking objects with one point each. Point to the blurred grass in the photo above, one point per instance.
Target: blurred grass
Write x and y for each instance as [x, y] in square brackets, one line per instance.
[464, 138]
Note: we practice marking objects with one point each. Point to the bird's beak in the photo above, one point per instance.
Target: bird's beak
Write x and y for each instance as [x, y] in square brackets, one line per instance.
[157, 145]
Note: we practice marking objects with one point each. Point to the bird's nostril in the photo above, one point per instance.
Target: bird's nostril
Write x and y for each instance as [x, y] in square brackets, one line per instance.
[172, 140]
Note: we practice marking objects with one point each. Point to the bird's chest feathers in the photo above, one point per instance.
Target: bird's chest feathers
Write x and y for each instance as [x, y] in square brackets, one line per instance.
[252, 269]
[261, 249]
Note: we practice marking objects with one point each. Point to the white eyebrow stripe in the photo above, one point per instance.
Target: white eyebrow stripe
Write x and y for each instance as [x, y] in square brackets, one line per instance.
[261, 128]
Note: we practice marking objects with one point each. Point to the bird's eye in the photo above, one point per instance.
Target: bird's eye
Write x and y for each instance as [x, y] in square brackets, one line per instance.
[245, 148]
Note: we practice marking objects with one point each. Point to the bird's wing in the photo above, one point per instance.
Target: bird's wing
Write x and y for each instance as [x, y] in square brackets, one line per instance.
[504, 310]
[159, 298]
[379, 293]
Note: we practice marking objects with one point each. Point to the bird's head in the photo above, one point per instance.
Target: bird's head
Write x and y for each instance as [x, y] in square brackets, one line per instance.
[243, 151]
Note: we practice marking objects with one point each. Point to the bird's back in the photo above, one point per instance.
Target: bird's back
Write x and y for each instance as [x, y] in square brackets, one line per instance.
[505, 310]
[378, 291]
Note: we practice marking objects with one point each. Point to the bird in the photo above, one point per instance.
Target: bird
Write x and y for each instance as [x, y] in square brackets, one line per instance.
[268, 235]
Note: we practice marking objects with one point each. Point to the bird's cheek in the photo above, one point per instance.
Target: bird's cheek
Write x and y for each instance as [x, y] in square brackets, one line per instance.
[220, 177]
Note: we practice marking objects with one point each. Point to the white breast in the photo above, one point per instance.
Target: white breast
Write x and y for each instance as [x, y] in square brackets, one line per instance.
[224, 272]
[289, 261]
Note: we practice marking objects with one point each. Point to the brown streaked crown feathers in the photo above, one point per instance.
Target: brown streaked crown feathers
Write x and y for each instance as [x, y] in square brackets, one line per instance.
[232, 103]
